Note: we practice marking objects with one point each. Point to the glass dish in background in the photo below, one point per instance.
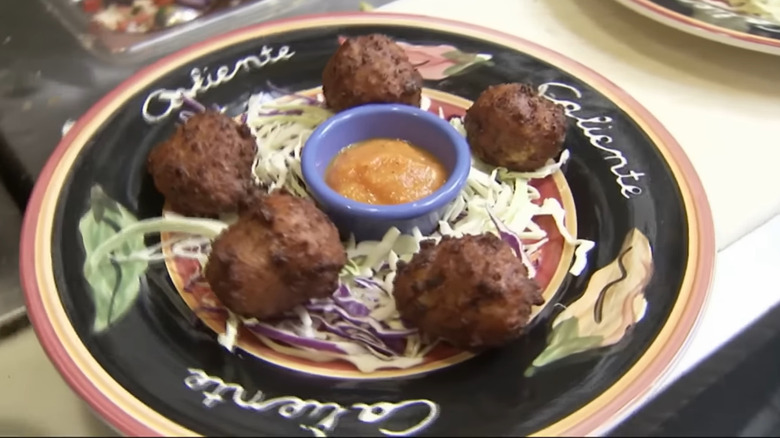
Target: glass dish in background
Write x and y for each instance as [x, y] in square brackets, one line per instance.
[175, 26]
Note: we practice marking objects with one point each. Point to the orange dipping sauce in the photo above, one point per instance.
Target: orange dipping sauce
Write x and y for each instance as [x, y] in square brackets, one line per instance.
[385, 171]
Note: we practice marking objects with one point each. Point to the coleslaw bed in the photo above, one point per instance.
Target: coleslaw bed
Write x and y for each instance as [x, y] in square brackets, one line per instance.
[359, 323]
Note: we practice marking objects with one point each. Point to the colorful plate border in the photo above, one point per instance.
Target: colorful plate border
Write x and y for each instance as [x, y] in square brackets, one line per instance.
[654, 11]
[131, 417]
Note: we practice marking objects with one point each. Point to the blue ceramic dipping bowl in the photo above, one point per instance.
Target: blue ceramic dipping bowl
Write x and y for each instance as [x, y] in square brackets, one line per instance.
[418, 127]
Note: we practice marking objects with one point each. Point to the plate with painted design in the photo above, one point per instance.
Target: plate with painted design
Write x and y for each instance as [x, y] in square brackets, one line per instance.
[749, 24]
[613, 231]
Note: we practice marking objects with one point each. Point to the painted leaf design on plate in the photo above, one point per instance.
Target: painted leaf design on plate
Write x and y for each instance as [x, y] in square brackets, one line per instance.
[464, 61]
[440, 62]
[613, 302]
[114, 286]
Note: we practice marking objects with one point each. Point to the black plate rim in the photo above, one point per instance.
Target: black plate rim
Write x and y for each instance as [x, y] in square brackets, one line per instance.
[131, 417]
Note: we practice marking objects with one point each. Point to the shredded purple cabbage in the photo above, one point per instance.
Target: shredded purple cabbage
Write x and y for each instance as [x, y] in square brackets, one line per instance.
[367, 322]
[350, 331]
[293, 339]
[282, 92]
[367, 283]
[193, 104]
[342, 315]
[343, 297]
[283, 113]
[510, 237]
[193, 107]
[184, 115]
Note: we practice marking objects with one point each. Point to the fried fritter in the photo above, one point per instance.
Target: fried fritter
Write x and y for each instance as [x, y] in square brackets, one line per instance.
[511, 125]
[370, 69]
[281, 252]
[204, 168]
[471, 291]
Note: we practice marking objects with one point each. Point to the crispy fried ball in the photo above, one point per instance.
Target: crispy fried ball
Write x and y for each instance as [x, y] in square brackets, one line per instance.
[281, 252]
[370, 69]
[204, 168]
[471, 291]
[511, 125]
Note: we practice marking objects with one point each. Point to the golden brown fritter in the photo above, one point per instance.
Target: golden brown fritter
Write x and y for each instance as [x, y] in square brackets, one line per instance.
[281, 252]
[204, 168]
[511, 125]
[471, 291]
[370, 69]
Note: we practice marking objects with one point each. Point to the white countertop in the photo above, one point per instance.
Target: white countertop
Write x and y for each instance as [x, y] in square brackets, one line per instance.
[743, 290]
[718, 101]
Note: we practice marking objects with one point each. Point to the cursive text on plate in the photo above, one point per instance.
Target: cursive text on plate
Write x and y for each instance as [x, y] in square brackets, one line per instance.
[327, 414]
[593, 128]
[161, 103]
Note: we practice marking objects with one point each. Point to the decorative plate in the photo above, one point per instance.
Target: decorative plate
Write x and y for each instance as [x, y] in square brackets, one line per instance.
[143, 343]
[750, 24]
